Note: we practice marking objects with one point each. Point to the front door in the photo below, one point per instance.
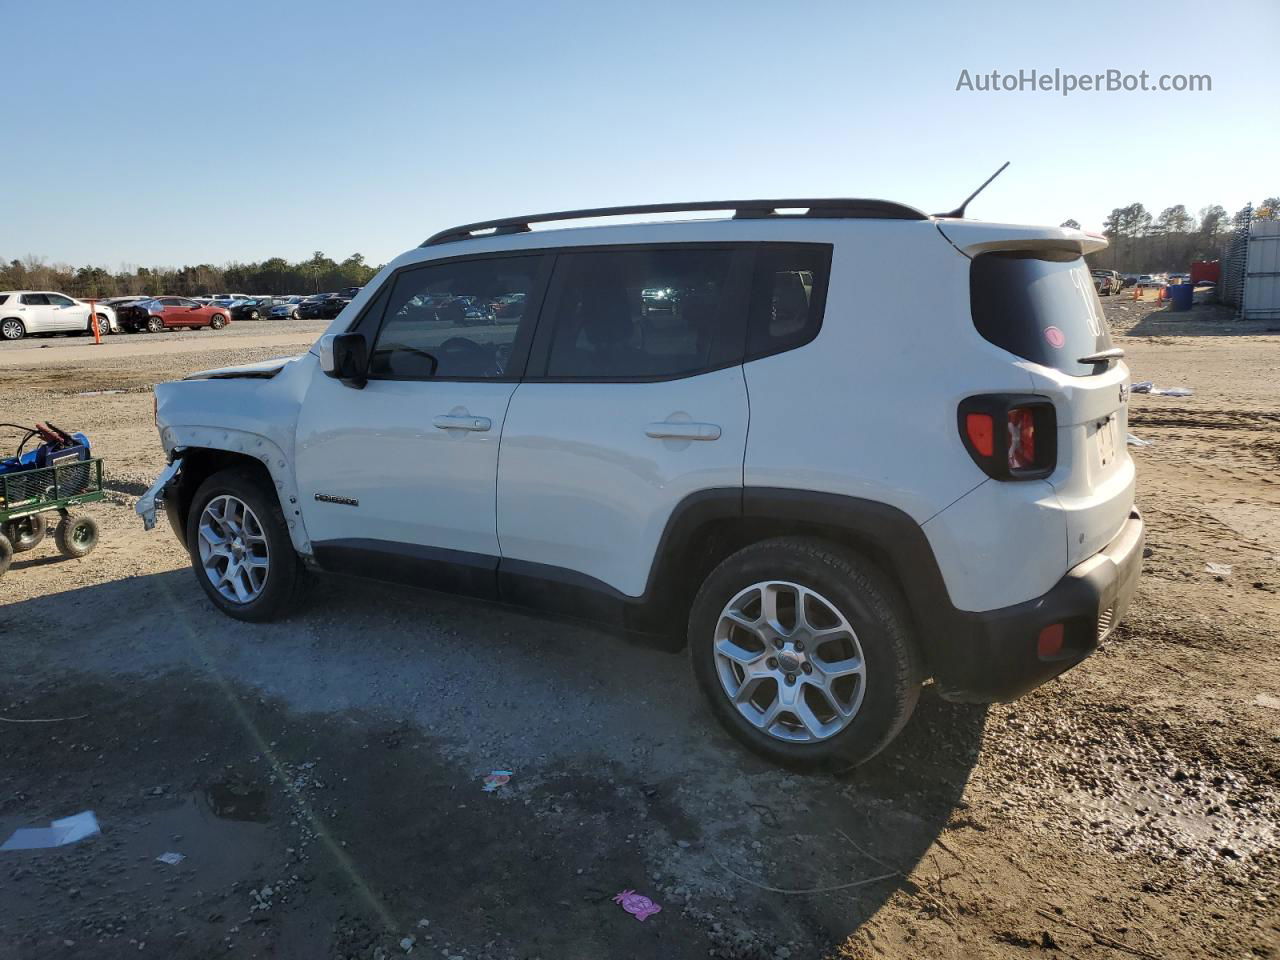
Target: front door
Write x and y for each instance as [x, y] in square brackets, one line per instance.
[66, 313]
[398, 479]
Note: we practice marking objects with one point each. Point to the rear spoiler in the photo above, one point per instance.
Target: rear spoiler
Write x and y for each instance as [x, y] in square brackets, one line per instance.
[972, 238]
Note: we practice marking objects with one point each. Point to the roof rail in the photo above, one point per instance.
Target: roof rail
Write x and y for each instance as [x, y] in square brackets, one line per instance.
[743, 210]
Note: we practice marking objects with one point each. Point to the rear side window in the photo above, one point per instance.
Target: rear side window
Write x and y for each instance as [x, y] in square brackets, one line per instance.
[1045, 311]
[35, 299]
[641, 314]
[788, 297]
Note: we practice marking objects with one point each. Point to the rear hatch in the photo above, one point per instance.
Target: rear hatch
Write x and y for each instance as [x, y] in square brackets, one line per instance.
[1032, 294]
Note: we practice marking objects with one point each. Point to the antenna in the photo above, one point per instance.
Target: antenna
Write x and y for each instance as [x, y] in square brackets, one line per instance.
[958, 212]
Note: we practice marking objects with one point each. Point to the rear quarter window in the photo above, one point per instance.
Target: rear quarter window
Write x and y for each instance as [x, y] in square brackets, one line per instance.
[1044, 310]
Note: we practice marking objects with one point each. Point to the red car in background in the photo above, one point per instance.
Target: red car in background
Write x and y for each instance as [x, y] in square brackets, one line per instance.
[161, 313]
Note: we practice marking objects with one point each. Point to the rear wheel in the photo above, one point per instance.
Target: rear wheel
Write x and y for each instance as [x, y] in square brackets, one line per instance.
[12, 329]
[26, 534]
[804, 651]
[77, 535]
[154, 324]
[240, 547]
[6, 554]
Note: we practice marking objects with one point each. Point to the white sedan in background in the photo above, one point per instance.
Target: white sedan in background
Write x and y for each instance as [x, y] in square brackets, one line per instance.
[29, 312]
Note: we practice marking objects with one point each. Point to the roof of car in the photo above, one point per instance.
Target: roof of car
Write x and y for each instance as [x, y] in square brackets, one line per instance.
[827, 208]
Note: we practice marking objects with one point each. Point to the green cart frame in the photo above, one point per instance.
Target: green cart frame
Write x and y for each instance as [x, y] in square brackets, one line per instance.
[28, 494]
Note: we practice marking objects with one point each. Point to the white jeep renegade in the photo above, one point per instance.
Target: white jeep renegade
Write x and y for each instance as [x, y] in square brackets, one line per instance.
[712, 430]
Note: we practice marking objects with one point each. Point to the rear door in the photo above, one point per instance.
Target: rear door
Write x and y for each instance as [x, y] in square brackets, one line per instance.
[1042, 306]
[625, 411]
[400, 477]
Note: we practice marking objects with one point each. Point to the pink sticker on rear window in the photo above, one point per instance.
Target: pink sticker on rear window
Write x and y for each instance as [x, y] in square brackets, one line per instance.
[1057, 339]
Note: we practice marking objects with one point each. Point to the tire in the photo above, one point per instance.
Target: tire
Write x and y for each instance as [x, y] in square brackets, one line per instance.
[869, 644]
[6, 554]
[77, 535]
[217, 322]
[104, 326]
[26, 534]
[12, 328]
[154, 324]
[254, 315]
[262, 535]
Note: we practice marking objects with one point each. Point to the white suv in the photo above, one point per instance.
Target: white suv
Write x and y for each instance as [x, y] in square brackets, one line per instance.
[29, 312]
[830, 489]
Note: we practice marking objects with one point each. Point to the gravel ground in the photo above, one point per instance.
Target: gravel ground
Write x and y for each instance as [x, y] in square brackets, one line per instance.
[323, 776]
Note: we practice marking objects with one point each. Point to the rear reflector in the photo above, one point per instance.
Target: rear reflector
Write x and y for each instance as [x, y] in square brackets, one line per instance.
[982, 433]
[1050, 643]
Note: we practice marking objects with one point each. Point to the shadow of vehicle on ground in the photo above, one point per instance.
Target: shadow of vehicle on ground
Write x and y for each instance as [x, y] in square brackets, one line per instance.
[364, 728]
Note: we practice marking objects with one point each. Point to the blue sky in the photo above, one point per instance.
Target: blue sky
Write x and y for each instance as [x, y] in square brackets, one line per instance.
[173, 132]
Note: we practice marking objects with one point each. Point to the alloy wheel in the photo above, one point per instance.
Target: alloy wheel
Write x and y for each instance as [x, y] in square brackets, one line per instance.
[233, 549]
[12, 330]
[789, 662]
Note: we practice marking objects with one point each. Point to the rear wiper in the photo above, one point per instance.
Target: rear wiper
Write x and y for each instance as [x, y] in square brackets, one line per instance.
[1103, 356]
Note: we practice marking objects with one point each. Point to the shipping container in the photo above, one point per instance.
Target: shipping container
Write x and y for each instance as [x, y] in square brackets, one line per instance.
[1262, 272]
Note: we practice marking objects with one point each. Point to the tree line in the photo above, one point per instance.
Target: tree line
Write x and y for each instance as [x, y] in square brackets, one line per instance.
[1170, 241]
[1140, 243]
[318, 275]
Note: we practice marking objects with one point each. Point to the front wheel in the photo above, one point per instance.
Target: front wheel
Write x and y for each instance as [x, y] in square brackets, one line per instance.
[805, 653]
[218, 322]
[12, 329]
[104, 325]
[240, 547]
[6, 554]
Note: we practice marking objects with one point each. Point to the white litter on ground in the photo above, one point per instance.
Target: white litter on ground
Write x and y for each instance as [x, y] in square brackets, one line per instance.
[173, 859]
[58, 834]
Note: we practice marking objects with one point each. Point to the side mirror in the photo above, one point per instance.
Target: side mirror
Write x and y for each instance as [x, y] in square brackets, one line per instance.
[345, 357]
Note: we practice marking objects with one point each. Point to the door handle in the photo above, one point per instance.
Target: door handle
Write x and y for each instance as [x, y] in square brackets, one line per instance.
[667, 430]
[460, 422]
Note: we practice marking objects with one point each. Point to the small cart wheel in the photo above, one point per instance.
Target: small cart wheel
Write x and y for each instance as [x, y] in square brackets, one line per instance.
[26, 534]
[77, 535]
[6, 554]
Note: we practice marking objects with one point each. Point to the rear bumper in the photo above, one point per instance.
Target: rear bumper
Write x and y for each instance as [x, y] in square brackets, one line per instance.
[993, 656]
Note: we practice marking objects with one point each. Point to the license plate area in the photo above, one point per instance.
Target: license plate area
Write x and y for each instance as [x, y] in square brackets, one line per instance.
[1106, 440]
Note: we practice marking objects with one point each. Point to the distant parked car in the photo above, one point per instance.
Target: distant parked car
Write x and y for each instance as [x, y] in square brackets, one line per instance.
[1108, 282]
[286, 308]
[255, 308]
[324, 307]
[30, 312]
[171, 313]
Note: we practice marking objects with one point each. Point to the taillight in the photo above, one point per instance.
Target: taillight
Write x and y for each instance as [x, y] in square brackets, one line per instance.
[1022, 438]
[1011, 437]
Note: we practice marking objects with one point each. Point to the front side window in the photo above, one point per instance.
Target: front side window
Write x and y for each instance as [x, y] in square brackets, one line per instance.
[60, 301]
[638, 314]
[453, 319]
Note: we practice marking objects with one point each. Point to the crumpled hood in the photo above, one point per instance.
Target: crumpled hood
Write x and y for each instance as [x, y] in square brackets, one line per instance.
[263, 370]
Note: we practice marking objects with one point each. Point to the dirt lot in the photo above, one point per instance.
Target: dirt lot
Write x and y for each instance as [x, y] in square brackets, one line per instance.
[323, 777]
